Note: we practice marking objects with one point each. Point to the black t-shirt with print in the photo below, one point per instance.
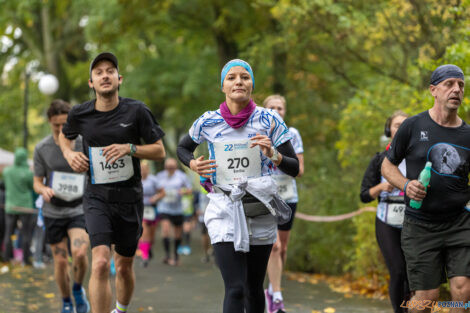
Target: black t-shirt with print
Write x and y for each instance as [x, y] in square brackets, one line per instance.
[130, 122]
[420, 139]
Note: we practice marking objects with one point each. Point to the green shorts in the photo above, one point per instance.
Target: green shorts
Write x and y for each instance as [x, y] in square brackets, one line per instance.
[436, 251]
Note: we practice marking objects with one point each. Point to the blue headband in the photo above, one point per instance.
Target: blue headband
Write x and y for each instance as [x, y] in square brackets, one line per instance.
[444, 72]
[232, 63]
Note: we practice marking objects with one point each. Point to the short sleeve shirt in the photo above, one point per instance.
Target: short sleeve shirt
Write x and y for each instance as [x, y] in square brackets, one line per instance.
[150, 188]
[172, 185]
[420, 139]
[211, 127]
[48, 158]
[298, 145]
[130, 122]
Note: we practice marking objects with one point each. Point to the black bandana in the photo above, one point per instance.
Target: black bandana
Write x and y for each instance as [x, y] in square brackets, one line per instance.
[444, 72]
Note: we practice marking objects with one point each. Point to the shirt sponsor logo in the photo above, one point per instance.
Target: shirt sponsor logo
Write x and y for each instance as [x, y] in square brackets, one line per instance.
[251, 135]
[424, 136]
[125, 125]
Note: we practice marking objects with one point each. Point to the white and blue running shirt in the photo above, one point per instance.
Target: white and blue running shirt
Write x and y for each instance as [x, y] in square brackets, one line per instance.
[211, 127]
[299, 149]
[172, 185]
[150, 188]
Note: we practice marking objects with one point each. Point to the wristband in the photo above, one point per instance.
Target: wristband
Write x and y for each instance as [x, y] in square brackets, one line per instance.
[406, 184]
[133, 149]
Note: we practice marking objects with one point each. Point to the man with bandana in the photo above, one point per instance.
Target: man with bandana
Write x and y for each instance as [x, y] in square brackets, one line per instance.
[436, 237]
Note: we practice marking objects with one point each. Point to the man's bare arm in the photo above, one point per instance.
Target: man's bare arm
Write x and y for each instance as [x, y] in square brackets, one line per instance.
[77, 160]
[414, 189]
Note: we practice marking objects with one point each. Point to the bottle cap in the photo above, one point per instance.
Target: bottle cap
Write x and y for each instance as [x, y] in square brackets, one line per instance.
[428, 164]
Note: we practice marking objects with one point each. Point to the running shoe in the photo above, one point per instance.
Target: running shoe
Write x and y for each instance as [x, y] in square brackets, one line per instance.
[278, 306]
[269, 301]
[67, 307]
[180, 250]
[186, 250]
[39, 265]
[81, 302]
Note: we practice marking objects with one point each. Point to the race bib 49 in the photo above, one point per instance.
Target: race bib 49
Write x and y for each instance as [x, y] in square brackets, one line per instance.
[103, 172]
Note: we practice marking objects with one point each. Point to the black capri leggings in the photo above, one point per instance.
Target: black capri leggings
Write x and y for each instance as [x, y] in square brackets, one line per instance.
[388, 238]
[243, 275]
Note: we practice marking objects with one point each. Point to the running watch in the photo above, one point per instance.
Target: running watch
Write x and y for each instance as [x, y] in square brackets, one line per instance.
[133, 149]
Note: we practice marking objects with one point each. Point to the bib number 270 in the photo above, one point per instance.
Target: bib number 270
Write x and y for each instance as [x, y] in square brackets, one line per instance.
[235, 163]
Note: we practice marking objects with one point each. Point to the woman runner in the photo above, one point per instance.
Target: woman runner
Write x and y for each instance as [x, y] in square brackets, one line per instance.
[390, 213]
[288, 192]
[245, 143]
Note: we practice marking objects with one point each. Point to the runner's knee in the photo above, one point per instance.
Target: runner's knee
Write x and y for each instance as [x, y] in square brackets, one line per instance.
[236, 292]
[432, 294]
[460, 288]
[100, 266]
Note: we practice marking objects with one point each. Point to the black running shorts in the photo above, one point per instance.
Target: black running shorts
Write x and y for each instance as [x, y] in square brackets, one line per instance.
[433, 250]
[288, 226]
[56, 228]
[118, 223]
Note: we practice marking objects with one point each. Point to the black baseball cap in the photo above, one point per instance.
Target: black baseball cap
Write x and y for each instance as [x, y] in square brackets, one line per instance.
[104, 56]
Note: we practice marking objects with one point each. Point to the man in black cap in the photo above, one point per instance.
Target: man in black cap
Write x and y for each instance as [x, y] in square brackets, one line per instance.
[436, 237]
[112, 129]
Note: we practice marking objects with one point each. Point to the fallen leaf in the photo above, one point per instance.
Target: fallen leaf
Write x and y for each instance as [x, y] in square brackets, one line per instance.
[49, 295]
[329, 310]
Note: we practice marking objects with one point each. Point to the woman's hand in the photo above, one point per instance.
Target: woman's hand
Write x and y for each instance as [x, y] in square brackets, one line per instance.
[264, 144]
[202, 167]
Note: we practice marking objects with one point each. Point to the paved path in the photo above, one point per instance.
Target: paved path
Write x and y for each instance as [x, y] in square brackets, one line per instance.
[193, 287]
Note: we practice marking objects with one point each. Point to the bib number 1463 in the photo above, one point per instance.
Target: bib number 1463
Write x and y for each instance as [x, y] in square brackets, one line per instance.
[103, 172]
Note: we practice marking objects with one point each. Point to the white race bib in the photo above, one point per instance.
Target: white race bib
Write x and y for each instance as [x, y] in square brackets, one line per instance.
[171, 196]
[67, 186]
[149, 213]
[105, 173]
[395, 214]
[285, 186]
[236, 161]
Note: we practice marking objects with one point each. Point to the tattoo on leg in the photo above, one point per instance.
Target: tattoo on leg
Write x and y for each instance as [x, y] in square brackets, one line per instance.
[61, 252]
[78, 242]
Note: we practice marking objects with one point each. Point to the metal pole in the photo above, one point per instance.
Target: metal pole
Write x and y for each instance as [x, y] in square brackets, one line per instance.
[25, 111]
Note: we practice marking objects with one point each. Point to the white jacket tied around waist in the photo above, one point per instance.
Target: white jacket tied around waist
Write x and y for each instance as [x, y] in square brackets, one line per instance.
[225, 217]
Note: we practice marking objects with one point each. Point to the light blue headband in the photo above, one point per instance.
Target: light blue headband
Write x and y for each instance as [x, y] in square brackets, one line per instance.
[232, 63]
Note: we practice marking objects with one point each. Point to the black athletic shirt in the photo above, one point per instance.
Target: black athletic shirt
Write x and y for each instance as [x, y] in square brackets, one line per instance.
[420, 139]
[130, 122]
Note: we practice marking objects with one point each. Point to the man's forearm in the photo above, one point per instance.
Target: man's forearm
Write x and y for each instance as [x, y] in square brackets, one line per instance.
[65, 144]
[393, 175]
[154, 151]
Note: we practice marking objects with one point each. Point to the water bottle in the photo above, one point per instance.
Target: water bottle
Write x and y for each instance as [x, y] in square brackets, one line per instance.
[424, 179]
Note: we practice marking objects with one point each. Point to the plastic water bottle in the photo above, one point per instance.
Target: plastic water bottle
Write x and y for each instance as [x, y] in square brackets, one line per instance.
[424, 179]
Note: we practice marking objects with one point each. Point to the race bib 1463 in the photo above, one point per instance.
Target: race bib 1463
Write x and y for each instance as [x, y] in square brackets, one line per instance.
[67, 186]
[236, 160]
[103, 172]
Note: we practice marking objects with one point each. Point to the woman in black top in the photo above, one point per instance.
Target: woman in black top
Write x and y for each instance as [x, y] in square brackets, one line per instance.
[390, 213]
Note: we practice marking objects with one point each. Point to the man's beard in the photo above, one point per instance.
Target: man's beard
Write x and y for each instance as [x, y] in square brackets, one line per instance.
[109, 93]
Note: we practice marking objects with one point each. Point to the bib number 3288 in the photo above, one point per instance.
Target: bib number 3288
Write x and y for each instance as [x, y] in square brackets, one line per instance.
[236, 161]
[103, 172]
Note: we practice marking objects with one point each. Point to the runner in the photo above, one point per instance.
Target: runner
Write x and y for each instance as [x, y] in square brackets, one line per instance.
[62, 210]
[288, 192]
[435, 237]
[112, 129]
[244, 141]
[151, 196]
[174, 183]
[390, 213]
